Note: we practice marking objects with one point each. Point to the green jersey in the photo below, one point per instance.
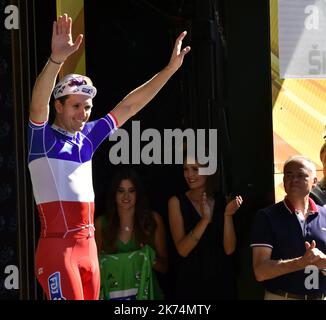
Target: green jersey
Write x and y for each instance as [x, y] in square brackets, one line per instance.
[129, 276]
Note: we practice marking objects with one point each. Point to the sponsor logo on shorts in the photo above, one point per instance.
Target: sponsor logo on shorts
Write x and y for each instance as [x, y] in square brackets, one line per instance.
[54, 284]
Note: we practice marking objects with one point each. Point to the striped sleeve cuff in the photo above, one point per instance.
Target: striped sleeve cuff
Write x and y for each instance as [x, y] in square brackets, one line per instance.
[261, 245]
[114, 120]
[35, 124]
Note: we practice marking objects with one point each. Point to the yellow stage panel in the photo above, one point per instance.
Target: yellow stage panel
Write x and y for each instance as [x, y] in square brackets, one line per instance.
[299, 113]
[76, 62]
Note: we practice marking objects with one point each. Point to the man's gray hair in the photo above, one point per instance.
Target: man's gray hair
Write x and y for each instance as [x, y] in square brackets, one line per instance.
[307, 163]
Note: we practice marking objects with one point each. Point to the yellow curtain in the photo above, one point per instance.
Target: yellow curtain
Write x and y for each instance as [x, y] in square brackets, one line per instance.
[299, 114]
[76, 62]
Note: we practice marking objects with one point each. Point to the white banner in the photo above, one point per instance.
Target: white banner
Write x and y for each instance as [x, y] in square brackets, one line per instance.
[302, 38]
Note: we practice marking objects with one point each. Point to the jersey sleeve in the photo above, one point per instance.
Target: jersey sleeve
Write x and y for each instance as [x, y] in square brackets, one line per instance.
[40, 139]
[97, 131]
[262, 235]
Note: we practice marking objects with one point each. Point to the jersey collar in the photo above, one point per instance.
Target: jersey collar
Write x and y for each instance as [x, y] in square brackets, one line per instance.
[63, 131]
[292, 209]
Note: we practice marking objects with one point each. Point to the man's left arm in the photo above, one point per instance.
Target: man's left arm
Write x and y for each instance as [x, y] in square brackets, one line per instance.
[139, 97]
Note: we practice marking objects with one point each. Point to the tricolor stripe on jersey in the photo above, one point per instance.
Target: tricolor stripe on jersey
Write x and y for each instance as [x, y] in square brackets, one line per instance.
[60, 165]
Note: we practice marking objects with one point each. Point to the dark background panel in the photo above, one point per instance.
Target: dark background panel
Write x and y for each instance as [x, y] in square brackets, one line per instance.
[250, 123]
[8, 186]
[23, 53]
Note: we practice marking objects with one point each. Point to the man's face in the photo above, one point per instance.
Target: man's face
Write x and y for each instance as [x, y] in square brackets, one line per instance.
[298, 179]
[73, 115]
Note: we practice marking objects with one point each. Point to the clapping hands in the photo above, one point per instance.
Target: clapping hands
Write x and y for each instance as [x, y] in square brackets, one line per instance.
[233, 206]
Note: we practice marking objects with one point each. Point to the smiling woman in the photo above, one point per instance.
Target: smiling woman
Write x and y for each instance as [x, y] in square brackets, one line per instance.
[131, 242]
[201, 224]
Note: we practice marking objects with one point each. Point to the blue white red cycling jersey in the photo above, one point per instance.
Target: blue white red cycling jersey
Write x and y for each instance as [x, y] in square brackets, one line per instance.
[60, 164]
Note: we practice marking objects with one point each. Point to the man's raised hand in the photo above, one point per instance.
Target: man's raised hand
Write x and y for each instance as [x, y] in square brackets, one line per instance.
[62, 43]
[178, 53]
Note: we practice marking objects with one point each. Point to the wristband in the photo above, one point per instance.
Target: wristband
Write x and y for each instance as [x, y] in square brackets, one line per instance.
[59, 63]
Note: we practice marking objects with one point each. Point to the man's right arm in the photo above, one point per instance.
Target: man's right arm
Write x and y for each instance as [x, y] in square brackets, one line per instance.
[45, 82]
[62, 47]
[184, 242]
[262, 243]
[265, 268]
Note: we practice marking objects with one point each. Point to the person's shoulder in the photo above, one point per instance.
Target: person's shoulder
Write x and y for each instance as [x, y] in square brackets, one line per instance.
[321, 209]
[272, 209]
[318, 195]
[175, 199]
[157, 217]
[155, 214]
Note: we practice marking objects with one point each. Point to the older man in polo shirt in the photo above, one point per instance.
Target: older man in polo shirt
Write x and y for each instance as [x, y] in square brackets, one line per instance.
[290, 236]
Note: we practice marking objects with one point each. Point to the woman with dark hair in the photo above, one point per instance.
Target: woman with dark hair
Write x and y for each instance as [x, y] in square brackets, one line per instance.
[201, 224]
[131, 242]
